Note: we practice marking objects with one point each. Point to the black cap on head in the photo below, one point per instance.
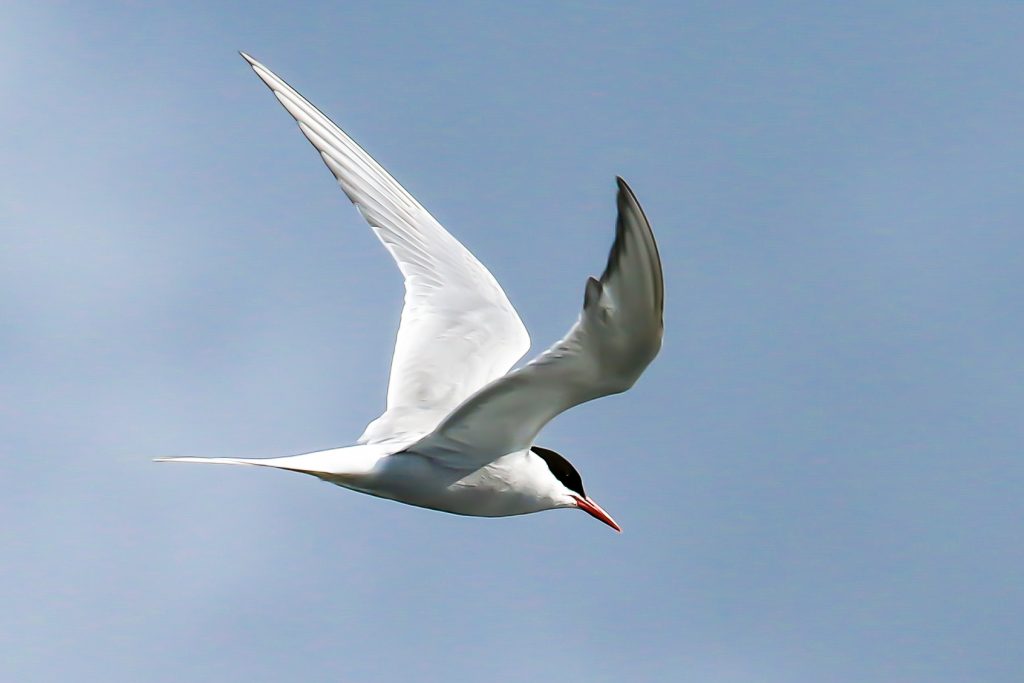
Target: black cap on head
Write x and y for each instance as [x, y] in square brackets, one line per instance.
[562, 469]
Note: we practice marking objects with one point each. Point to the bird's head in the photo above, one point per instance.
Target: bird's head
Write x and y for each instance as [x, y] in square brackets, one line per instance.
[568, 486]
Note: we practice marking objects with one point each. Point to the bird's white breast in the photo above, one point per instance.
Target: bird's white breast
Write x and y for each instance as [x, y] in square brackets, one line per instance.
[510, 485]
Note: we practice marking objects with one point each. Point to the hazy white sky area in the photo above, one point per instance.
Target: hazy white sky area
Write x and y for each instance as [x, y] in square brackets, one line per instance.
[820, 478]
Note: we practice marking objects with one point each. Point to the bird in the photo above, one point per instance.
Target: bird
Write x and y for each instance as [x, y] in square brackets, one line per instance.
[457, 434]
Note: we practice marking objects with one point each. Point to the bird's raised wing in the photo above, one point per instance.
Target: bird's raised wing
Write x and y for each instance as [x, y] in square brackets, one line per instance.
[617, 335]
[458, 329]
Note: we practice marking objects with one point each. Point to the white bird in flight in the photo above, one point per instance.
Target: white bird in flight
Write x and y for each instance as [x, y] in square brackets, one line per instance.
[458, 432]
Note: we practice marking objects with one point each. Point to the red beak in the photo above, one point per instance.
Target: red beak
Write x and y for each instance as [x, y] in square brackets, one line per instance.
[595, 510]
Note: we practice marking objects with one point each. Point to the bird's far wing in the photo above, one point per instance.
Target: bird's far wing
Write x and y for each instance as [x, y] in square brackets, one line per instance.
[458, 329]
[617, 335]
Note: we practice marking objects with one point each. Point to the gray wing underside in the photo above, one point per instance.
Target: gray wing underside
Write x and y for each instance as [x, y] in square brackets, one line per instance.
[617, 335]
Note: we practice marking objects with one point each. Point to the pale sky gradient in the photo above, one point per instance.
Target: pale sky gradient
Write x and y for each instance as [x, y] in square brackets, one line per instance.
[820, 478]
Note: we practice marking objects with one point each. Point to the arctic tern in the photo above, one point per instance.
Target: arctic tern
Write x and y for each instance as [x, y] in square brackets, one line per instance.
[458, 432]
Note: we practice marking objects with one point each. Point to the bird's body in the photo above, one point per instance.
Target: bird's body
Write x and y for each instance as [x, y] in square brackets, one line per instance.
[458, 432]
[513, 484]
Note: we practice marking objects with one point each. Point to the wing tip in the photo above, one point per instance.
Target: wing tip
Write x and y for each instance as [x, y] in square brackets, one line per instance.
[246, 57]
[629, 207]
[625, 191]
[626, 195]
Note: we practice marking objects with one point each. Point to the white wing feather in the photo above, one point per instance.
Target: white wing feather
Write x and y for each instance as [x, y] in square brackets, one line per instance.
[617, 335]
[458, 329]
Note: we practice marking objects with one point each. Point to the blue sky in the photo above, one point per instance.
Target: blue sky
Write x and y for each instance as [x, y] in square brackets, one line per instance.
[819, 478]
